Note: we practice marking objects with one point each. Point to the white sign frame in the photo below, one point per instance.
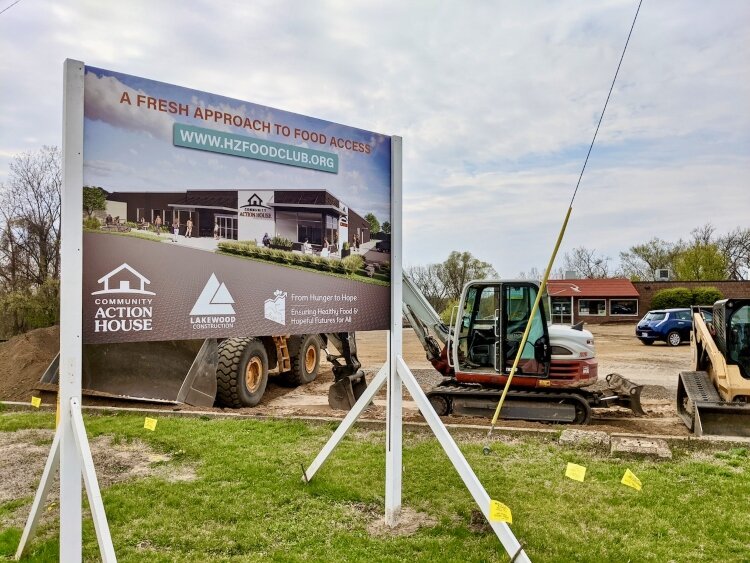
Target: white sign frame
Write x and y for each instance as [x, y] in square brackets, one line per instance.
[70, 452]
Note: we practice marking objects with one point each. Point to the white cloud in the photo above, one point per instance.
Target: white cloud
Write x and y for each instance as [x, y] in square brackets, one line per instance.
[496, 102]
[105, 102]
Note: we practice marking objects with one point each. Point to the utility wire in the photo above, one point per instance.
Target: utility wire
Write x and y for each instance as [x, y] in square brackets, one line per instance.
[543, 285]
[9, 7]
[601, 117]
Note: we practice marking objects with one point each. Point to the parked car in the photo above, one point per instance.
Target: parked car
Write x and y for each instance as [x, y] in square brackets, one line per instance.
[672, 326]
[383, 245]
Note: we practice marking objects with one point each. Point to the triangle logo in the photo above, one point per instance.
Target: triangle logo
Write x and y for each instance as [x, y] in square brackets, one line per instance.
[215, 299]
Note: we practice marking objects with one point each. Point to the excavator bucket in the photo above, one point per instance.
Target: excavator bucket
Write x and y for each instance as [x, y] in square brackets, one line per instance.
[345, 391]
[702, 410]
[161, 372]
[628, 393]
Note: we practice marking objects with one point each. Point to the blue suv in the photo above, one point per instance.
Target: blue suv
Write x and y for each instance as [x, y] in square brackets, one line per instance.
[672, 326]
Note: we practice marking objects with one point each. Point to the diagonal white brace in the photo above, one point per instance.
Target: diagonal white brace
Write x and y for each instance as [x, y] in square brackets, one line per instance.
[48, 476]
[502, 530]
[106, 549]
[351, 417]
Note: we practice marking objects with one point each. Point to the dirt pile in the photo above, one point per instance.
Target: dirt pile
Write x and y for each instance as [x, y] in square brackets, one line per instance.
[23, 360]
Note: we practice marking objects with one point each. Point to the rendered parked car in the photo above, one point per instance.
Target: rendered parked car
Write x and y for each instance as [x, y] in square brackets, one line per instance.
[672, 326]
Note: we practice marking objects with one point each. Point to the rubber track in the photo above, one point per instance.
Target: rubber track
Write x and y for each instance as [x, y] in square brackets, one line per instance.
[227, 379]
[451, 388]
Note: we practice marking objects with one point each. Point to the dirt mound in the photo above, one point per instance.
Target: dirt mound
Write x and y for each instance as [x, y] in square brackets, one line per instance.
[23, 360]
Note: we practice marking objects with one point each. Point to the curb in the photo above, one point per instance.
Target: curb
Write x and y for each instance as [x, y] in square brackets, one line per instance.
[470, 430]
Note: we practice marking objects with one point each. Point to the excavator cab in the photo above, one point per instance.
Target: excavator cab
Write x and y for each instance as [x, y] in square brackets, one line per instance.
[493, 317]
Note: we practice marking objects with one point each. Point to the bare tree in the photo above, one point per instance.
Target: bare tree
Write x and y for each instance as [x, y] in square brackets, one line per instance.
[30, 215]
[587, 263]
[641, 261]
[735, 246]
[428, 280]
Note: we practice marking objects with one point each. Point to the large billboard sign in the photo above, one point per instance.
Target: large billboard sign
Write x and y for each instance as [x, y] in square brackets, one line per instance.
[228, 218]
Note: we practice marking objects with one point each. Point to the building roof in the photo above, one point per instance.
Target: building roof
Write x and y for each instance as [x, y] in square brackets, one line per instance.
[614, 287]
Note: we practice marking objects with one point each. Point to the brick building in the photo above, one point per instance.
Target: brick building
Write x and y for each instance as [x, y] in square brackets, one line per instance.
[599, 301]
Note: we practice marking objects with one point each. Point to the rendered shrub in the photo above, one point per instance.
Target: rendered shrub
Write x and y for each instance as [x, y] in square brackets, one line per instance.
[306, 260]
[91, 223]
[319, 263]
[281, 243]
[353, 263]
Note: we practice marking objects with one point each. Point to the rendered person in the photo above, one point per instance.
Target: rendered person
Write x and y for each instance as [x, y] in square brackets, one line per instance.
[157, 223]
[176, 229]
[325, 243]
[307, 247]
[108, 220]
[189, 228]
[216, 230]
[266, 240]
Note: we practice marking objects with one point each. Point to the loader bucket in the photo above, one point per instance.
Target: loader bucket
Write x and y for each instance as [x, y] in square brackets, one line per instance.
[702, 410]
[171, 372]
[628, 393]
[343, 394]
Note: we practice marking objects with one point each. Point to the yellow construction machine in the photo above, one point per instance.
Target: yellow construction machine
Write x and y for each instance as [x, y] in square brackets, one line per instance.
[714, 398]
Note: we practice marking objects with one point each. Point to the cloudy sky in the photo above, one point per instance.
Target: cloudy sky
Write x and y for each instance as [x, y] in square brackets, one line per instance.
[496, 102]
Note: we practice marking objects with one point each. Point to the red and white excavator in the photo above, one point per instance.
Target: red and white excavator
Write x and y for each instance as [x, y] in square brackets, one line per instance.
[476, 350]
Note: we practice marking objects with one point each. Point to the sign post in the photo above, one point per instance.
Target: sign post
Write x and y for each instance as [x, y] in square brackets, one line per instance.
[70, 452]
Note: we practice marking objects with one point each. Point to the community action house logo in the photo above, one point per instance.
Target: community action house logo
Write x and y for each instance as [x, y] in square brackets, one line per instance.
[115, 313]
[255, 209]
[213, 309]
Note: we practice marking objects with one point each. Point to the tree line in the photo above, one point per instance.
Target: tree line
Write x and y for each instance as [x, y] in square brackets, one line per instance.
[704, 256]
[30, 242]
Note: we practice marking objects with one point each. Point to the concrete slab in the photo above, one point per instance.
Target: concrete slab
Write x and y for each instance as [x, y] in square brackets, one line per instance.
[650, 447]
[584, 437]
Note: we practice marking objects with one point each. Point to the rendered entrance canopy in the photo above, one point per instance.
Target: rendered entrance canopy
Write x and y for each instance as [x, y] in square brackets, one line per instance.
[227, 218]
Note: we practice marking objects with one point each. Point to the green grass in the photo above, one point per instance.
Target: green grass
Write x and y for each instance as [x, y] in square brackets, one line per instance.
[248, 503]
[132, 234]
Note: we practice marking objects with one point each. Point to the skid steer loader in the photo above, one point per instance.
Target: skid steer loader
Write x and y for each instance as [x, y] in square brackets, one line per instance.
[714, 398]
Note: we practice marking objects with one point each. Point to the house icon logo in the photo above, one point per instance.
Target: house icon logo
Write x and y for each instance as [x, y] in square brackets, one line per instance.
[215, 299]
[275, 309]
[254, 201]
[124, 279]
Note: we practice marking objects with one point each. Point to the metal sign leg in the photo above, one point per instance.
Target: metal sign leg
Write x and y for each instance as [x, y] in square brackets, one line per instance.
[502, 530]
[346, 424]
[101, 526]
[50, 469]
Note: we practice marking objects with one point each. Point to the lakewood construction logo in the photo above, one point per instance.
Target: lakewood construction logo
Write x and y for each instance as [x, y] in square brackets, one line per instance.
[115, 313]
[213, 309]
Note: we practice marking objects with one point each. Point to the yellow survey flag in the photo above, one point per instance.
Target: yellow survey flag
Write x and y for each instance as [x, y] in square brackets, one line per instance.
[575, 472]
[36, 402]
[499, 512]
[630, 480]
[150, 424]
